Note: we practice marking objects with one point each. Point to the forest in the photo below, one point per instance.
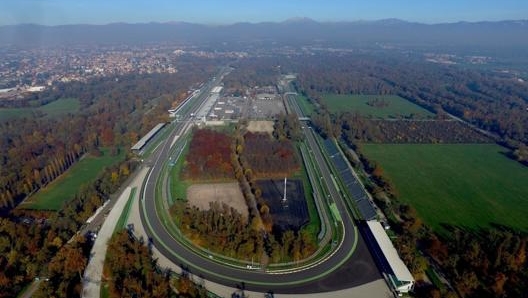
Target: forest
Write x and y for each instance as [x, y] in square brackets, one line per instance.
[37, 150]
[223, 230]
[252, 72]
[209, 156]
[34, 151]
[39, 247]
[474, 95]
[478, 263]
[268, 157]
[355, 128]
[131, 271]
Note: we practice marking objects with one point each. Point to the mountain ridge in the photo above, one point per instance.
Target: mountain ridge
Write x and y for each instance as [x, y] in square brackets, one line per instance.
[292, 31]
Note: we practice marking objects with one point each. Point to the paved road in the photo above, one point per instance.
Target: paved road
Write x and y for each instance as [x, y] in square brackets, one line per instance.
[351, 265]
[29, 291]
[94, 270]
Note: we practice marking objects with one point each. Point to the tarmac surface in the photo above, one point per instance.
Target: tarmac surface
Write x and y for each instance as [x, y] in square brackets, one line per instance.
[344, 274]
[371, 285]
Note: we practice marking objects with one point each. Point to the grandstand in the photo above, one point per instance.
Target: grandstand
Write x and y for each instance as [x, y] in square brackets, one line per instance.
[353, 185]
[144, 140]
[389, 262]
[391, 265]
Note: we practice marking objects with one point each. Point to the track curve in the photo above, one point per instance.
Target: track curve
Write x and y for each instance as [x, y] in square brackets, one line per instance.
[350, 264]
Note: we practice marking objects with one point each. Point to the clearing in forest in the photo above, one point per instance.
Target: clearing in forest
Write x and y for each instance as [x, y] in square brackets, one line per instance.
[464, 185]
[64, 188]
[53, 109]
[200, 195]
[375, 106]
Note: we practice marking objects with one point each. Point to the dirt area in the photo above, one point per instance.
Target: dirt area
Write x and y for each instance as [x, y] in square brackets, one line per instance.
[260, 126]
[200, 195]
[265, 109]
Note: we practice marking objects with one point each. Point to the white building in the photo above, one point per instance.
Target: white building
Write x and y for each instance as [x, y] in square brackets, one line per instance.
[400, 277]
[217, 89]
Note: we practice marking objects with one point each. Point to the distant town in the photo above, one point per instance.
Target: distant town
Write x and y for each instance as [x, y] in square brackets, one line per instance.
[33, 70]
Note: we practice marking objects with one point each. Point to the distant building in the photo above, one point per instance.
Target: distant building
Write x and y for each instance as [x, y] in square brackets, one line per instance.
[266, 96]
[36, 88]
[217, 89]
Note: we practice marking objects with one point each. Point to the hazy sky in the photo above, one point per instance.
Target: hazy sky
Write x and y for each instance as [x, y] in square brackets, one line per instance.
[56, 12]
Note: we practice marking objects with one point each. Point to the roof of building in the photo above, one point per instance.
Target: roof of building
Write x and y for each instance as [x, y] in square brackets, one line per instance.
[147, 137]
[400, 270]
[217, 89]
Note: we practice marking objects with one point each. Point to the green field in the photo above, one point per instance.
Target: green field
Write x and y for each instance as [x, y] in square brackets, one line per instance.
[466, 185]
[53, 196]
[55, 108]
[306, 106]
[395, 106]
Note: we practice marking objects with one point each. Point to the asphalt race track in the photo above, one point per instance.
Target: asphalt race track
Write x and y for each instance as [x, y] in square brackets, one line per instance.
[344, 269]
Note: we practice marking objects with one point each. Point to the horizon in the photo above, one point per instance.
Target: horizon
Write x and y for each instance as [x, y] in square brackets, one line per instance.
[210, 12]
[293, 19]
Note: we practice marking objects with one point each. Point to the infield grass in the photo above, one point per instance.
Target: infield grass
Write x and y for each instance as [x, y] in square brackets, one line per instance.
[394, 106]
[465, 185]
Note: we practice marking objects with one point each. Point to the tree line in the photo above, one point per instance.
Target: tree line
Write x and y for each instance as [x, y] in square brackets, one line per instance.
[355, 128]
[475, 95]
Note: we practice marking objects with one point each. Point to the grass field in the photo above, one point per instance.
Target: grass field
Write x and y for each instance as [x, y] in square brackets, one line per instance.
[306, 106]
[53, 196]
[60, 107]
[466, 185]
[56, 108]
[395, 106]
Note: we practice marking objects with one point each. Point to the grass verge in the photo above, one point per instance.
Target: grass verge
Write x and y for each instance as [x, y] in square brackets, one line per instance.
[314, 225]
[178, 186]
[123, 219]
[306, 106]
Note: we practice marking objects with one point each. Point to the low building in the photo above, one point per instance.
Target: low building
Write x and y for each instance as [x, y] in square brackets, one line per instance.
[266, 96]
[144, 140]
[394, 270]
[36, 89]
[217, 89]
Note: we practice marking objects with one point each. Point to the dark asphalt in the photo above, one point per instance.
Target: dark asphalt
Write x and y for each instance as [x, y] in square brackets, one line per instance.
[357, 270]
